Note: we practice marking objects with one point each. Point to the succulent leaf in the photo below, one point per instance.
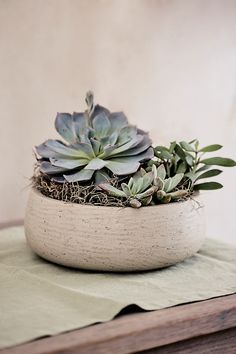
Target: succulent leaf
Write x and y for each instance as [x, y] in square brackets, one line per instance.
[48, 168]
[68, 164]
[96, 164]
[175, 181]
[102, 125]
[112, 190]
[160, 171]
[126, 189]
[219, 161]
[65, 127]
[101, 177]
[82, 175]
[80, 122]
[159, 183]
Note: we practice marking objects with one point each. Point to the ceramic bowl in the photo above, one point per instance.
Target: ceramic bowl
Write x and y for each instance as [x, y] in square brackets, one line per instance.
[111, 238]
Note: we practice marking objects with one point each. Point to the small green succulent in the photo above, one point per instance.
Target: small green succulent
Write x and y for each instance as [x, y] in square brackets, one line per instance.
[188, 159]
[166, 187]
[138, 191]
[99, 144]
[146, 187]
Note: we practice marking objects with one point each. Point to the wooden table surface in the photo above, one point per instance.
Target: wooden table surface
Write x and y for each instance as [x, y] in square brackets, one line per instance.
[202, 327]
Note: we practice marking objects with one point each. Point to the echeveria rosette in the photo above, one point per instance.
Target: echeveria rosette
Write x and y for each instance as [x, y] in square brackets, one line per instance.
[137, 192]
[97, 141]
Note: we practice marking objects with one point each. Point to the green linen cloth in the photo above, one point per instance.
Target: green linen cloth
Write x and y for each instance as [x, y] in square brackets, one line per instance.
[38, 298]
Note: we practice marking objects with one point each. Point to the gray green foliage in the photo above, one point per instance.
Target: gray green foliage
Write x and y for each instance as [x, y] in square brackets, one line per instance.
[96, 143]
[139, 190]
[101, 149]
[187, 158]
[146, 187]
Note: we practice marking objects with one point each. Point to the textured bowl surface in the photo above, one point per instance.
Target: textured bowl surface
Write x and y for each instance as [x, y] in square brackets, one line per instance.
[112, 238]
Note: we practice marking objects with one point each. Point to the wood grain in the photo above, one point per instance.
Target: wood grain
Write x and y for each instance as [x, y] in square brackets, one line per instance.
[217, 343]
[141, 331]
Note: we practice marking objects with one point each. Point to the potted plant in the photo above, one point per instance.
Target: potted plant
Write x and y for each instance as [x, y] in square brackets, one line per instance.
[105, 199]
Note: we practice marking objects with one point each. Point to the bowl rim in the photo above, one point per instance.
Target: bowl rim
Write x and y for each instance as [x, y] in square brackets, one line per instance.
[34, 191]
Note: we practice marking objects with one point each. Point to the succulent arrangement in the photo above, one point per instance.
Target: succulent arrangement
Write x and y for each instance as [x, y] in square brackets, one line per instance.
[102, 150]
[99, 143]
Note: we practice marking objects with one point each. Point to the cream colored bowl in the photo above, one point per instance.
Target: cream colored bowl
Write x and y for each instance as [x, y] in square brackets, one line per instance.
[112, 238]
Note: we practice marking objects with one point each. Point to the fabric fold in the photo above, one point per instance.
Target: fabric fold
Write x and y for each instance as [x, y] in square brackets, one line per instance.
[39, 298]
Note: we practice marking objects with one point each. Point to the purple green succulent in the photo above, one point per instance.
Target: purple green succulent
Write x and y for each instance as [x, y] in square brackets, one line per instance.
[96, 144]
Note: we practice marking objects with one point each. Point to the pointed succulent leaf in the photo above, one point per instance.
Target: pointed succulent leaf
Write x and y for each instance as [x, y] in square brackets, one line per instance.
[210, 173]
[192, 141]
[180, 152]
[161, 172]
[82, 175]
[129, 145]
[208, 186]
[186, 146]
[106, 151]
[203, 168]
[96, 145]
[182, 167]
[144, 144]
[175, 181]
[211, 148]
[131, 182]
[147, 181]
[167, 184]
[113, 138]
[159, 183]
[137, 185]
[112, 190]
[126, 189]
[219, 161]
[189, 159]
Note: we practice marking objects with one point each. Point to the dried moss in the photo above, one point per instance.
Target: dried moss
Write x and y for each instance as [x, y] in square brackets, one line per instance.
[75, 192]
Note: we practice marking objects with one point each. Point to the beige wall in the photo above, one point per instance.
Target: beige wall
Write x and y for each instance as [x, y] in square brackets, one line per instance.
[171, 65]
